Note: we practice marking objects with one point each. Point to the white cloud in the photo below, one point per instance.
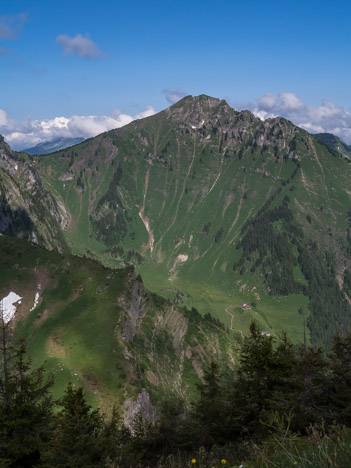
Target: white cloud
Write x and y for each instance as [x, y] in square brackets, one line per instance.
[80, 45]
[267, 101]
[290, 103]
[11, 25]
[146, 113]
[174, 95]
[326, 117]
[20, 135]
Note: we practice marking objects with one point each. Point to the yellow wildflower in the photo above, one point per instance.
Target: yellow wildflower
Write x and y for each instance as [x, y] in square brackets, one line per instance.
[223, 461]
[193, 461]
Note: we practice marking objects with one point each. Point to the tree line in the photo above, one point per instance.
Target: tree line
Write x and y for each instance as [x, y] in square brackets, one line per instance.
[272, 378]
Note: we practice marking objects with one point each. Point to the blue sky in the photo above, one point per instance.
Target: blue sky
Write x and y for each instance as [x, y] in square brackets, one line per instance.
[112, 60]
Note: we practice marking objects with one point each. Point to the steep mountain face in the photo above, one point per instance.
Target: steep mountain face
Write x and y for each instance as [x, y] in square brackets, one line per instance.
[27, 209]
[51, 146]
[216, 208]
[335, 143]
[102, 329]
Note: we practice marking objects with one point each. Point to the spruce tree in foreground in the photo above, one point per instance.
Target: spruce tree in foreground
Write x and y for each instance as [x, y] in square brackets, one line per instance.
[209, 410]
[26, 406]
[80, 437]
[26, 409]
[262, 376]
[340, 385]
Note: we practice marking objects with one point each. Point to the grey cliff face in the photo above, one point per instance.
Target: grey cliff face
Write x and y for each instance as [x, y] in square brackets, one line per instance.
[27, 209]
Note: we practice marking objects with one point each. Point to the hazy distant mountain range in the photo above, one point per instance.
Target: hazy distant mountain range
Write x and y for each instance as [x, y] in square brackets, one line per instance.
[335, 143]
[52, 146]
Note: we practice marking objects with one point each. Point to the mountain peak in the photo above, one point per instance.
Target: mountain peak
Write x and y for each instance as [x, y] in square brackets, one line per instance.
[6, 152]
[199, 110]
[3, 144]
[202, 101]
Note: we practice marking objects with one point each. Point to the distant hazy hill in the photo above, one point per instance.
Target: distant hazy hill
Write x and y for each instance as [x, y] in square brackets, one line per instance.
[51, 146]
[335, 143]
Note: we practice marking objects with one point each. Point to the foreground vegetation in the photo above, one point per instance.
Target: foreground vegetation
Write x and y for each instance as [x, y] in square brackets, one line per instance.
[283, 406]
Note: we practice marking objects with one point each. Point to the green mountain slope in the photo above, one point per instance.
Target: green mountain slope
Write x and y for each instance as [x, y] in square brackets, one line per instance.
[216, 208]
[103, 329]
[335, 143]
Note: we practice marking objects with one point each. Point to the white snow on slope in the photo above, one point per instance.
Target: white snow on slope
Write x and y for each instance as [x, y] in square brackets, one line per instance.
[9, 307]
[36, 299]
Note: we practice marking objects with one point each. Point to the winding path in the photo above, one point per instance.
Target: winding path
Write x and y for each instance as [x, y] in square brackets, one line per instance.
[231, 316]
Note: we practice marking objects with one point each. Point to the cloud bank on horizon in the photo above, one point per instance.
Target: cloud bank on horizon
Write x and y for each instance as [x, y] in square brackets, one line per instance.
[21, 135]
[326, 117]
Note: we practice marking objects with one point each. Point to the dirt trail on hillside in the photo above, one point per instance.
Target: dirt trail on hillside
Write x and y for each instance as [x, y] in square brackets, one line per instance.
[341, 286]
[231, 316]
[93, 193]
[214, 183]
[244, 221]
[237, 214]
[308, 185]
[181, 196]
[320, 166]
[169, 205]
[230, 230]
[144, 218]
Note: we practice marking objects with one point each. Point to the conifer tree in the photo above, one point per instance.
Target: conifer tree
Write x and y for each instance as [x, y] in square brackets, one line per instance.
[25, 409]
[340, 380]
[262, 376]
[308, 395]
[79, 438]
[170, 425]
[208, 412]
[25, 403]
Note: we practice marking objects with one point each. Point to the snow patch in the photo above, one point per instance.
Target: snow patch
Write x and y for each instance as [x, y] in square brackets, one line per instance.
[36, 298]
[199, 126]
[9, 307]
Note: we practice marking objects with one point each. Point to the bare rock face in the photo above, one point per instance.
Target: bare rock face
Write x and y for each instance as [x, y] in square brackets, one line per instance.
[141, 406]
[135, 307]
[135, 310]
[27, 209]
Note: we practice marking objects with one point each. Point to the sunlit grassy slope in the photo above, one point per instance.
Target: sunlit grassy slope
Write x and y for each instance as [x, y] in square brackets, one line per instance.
[182, 194]
[84, 329]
